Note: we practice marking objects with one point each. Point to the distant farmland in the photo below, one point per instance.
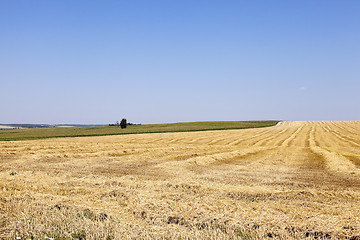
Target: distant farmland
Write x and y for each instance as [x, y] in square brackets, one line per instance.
[41, 133]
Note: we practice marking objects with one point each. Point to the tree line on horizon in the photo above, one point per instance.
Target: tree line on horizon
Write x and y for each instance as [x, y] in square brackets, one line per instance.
[123, 123]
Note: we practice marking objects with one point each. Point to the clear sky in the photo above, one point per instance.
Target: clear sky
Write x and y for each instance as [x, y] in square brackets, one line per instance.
[89, 61]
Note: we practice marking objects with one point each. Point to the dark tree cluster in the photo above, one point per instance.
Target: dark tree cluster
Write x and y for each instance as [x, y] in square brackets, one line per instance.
[121, 124]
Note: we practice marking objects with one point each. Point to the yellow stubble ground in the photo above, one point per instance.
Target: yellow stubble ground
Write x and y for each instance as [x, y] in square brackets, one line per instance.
[295, 180]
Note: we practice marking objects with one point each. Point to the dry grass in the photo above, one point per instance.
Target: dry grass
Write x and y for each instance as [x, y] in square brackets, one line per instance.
[292, 181]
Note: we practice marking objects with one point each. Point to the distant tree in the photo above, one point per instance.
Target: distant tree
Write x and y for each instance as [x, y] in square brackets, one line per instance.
[123, 123]
[117, 123]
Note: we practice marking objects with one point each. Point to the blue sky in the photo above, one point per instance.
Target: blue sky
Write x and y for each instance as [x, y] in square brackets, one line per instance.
[172, 61]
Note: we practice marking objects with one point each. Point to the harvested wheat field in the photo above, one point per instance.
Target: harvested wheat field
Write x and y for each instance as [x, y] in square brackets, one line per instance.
[296, 180]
